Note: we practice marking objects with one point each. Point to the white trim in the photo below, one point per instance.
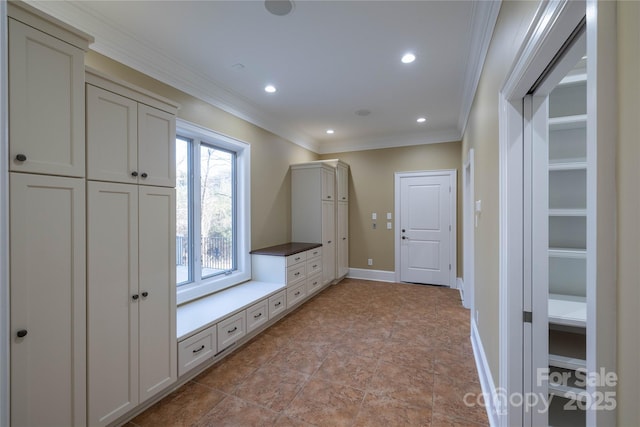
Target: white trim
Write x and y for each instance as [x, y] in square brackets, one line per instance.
[243, 223]
[5, 333]
[377, 275]
[493, 398]
[453, 199]
[469, 218]
[460, 287]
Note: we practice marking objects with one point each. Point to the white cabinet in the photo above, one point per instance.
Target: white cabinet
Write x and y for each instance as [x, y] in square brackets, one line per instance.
[320, 211]
[48, 325]
[197, 349]
[231, 329]
[46, 102]
[131, 296]
[130, 134]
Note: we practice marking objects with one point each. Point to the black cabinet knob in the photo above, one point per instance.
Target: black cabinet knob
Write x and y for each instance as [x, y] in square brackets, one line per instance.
[134, 173]
[144, 174]
[135, 297]
[21, 157]
[22, 333]
[145, 294]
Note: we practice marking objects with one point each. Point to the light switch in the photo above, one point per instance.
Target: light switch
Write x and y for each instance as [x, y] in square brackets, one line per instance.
[374, 216]
[478, 205]
[389, 215]
[388, 226]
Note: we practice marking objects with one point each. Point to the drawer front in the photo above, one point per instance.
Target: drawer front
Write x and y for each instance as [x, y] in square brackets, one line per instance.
[296, 258]
[314, 266]
[296, 294]
[257, 314]
[314, 253]
[231, 329]
[196, 349]
[296, 273]
[277, 304]
[314, 283]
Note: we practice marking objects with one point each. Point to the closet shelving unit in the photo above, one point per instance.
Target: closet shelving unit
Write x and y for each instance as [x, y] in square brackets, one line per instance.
[567, 309]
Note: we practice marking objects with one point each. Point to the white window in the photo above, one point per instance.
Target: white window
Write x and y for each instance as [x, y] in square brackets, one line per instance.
[213, 234]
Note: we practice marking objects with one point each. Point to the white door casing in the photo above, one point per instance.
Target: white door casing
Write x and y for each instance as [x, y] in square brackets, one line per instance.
[425, 231]
[469, 219]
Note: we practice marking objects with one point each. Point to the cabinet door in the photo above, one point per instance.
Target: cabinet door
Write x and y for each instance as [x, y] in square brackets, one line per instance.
[328, 242]
[156, 147]
[157, 303]
[342, 177]
[343, 239]
[48, 370]
[112, 136]
[328, 184]
[46, 103]
[112, 259]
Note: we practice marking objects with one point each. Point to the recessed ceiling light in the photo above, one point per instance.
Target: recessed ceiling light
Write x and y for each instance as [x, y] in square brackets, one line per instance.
[421, 119]
[363, 112]
[270, 88]
[330, 131]
[408, 58]
[279, 7]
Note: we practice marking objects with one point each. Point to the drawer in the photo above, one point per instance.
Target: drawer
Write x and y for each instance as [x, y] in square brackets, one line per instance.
[314, 284]
[314, 266]
[257, 314]
[231, 329]
[296, 273]
[296, 258]
[196, 349]
[296, 294]
[277, 304]
[314, 253]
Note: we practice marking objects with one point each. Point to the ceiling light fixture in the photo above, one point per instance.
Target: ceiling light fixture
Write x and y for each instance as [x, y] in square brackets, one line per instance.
[330, 131]
[421, 119]
[279, 7]
[270, 88]
[408, 58]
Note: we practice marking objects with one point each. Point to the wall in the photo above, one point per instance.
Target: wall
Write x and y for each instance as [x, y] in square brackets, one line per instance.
[482, 135]
[270, 154]
[628, 177]
[371, 189]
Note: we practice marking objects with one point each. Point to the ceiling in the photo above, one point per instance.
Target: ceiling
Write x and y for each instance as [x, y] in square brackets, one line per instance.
[328, 60]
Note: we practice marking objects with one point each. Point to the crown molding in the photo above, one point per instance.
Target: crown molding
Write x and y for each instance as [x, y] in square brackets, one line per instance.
[483, 18]
[390, 141]
[119, 45]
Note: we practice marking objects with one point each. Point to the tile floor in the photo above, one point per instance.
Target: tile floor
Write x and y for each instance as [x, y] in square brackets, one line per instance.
[360, 353]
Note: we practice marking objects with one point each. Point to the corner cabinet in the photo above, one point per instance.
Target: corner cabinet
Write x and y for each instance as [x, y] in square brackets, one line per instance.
[132, 347]
[319, 212]
[47, 219]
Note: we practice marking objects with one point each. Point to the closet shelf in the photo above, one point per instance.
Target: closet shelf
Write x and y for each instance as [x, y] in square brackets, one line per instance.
[567, 310]
[568, 392]
[567, 253]
[567, 166]
[568, 122]
[572, 363]
[568, 212]
[573, 79]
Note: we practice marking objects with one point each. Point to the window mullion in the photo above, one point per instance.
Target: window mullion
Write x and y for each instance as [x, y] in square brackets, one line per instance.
[197, 213]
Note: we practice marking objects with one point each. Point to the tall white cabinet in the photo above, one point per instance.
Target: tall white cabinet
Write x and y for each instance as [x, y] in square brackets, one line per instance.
[47, 219]
[319, 212]
[132, 349]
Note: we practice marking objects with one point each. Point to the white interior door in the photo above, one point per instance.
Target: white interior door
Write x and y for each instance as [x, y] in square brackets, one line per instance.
[425, 222]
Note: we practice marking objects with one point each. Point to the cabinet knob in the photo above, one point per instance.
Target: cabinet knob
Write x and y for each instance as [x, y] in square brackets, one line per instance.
[329, 242]
[134, 173]
[21, 333]
[145, 294]
[344, 198]
[135, 297]
[144, 175]
[21, 157]
[328, 197]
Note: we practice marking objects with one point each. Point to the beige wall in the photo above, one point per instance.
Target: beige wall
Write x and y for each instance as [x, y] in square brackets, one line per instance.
[482, 135]
[628, 168]
[371, 189]
[270, 154]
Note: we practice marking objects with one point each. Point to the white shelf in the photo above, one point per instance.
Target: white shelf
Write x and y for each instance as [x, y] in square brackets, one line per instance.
[568, 122]
[567, 166]
[568, 392]
[567, 310]
[565, 362]
[567, 212]
[567, 253]
[573, 79]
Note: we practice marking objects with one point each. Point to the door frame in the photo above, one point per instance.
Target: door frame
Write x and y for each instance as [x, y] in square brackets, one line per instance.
[452, 174]
[468, 231]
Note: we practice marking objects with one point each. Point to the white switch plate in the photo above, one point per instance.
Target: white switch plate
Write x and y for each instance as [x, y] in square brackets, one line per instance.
[388, 226]
[370, 261]
[478, 205]
[389, 215]
[374, 216]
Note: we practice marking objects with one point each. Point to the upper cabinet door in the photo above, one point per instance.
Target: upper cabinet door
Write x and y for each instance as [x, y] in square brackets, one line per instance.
[343, 182]
[112, 136]
[328, 184]
[46, 103]
[156, 147]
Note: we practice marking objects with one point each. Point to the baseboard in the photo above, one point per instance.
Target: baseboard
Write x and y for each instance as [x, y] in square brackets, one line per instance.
[486, 379]
[377, 275]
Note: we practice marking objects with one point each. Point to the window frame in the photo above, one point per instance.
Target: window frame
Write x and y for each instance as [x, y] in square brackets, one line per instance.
[242, 209]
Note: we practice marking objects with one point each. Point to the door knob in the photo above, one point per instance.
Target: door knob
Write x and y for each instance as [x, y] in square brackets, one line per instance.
[144, 175]
[22, 333]
[134, 173]
[21, 157]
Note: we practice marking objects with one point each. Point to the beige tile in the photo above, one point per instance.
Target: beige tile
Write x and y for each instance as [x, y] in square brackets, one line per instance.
[234, 412]
[226, 375]
[301, 357]
[414, 386]
[272, 387]
[323, 403]
[385, 411]
[347, 369]
[451, 397]
[286, 421]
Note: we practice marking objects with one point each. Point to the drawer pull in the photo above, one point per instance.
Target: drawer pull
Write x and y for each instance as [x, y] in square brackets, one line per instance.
[315, 266]
[199, 349]
[297, 293]
[232, 330]
[278, 304]
[257, 315]
[144, 174]
[297, 258]
[315, 283]
[21, 158]
[297, 273]
[21, 333]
